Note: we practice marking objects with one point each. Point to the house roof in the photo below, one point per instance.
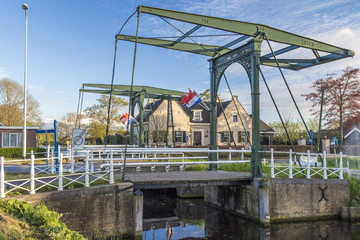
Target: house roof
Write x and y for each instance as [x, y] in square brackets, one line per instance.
[189, 112]
[350, 131]
[264, 127]
[17, 128]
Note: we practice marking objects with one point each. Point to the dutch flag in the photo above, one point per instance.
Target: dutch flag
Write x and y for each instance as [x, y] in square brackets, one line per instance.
[125, 119]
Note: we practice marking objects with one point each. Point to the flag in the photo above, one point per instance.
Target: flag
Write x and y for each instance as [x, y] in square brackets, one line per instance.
[183, 100]
[192, 99]
[125, 119]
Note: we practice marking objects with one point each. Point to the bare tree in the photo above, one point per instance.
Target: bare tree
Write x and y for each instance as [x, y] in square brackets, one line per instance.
[341, 97]
[11, 105]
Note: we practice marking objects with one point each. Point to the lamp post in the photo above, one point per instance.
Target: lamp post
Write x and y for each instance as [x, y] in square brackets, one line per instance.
[25, 7]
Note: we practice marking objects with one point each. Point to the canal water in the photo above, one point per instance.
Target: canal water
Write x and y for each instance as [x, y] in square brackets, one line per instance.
[169, 217]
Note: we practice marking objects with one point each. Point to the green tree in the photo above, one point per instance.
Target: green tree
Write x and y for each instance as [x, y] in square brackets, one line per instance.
[294, 129]
[11, 105]
[205, 96]
[98, 114]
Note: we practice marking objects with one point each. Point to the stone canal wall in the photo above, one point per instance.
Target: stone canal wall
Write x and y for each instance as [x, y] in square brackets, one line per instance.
[103, 209]
[280, 199]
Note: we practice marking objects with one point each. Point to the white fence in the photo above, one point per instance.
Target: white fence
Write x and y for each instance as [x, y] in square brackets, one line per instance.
[87, 166]
[313, 165]
[101, 163]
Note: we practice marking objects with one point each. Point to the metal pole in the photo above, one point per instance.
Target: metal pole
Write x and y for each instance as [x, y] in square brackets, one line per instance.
[2, 178]
[321, 109]
[25, 7]
[32, 174]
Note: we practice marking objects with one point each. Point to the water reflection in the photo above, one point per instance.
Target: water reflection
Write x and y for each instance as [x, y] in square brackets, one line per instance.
[168, 217]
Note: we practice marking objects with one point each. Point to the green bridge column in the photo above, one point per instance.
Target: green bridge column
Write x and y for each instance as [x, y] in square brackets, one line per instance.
[213, 116]
[256, 168]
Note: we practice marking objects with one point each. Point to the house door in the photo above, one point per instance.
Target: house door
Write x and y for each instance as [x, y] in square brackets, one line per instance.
[197, 137]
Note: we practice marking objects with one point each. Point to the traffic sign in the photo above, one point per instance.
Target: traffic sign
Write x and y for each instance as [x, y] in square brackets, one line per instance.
[78, 139]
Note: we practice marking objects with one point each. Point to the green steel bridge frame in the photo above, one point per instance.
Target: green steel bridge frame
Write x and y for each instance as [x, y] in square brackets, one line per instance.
[248, 55]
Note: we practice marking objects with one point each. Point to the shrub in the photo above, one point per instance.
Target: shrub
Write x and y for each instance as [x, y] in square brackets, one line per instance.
[17, 152]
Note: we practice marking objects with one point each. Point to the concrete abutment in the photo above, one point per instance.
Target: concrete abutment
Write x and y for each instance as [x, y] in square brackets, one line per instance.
[281, 200]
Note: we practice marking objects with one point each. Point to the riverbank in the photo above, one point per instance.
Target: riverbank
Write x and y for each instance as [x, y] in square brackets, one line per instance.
[20, 220]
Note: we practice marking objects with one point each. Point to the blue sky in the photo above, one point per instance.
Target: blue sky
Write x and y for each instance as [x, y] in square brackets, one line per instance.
[72, 42]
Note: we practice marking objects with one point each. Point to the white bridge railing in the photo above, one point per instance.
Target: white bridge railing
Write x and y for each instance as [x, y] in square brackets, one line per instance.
[92, 164]
[87, 166]
[310, 165]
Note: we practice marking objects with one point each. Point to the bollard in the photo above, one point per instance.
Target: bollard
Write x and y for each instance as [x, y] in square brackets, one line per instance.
[325, 171]
[2, 178]
[242, 154]
[341, 175]
[87, 170]
[290, 164]
[272, 162]
[52, 161]
[111, 167]
[60, 187]
[308, 175]
[138, 214]
[32, 173]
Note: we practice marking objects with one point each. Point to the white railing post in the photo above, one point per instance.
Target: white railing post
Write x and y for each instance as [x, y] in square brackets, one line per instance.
[230, 154]
[272, 162]
[341, 175]
[2, 178]
[72, 162]
[32, 173]
[92, 160]
[111, 168]
[60, 187]
[183, 159]
[47, 156]
[324, 171]
[290, 164]
[242, 154]
[52, 161]
[87, 170]
[308, 173]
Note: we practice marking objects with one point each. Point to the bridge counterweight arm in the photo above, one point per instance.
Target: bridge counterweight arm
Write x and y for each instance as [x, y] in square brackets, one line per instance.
[245, 28]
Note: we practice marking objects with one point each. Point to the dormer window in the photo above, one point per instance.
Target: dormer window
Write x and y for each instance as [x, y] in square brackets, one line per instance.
[197, 115]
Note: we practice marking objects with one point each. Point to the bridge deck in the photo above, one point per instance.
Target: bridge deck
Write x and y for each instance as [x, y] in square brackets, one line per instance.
[185, 178]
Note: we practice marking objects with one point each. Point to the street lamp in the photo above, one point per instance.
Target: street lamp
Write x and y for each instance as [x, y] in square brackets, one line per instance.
[25, 7]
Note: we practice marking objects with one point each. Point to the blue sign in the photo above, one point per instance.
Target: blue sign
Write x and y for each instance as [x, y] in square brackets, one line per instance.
[334, 143]
[311, 136]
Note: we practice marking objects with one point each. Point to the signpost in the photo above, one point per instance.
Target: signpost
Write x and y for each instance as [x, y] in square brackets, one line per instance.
[334, 143]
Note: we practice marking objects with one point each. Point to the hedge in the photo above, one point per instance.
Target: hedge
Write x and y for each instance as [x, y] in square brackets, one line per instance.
[17, 152]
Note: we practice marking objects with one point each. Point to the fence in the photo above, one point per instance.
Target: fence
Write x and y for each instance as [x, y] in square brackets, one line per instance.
[307, 165]
[101, 163]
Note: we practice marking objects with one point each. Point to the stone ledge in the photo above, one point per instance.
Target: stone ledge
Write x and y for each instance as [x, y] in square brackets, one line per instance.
[350, 213]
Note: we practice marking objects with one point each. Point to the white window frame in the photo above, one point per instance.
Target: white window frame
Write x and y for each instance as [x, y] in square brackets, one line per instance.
[18, 140]
[200, 115]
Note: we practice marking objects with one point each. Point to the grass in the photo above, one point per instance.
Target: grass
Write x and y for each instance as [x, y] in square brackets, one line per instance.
[354, 192]
[30, 222]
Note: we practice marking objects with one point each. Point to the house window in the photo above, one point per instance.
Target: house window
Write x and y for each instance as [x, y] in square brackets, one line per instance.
[243, 137]
[197, 115]
[180, 136]
[235, 118]
[225, 137]
[12, 139]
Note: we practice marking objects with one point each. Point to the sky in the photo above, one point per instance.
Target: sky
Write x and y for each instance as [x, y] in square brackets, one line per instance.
[72, 42]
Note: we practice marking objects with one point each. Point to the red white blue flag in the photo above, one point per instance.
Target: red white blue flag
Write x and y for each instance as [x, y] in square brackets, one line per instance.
[126, 119]
[191, 99]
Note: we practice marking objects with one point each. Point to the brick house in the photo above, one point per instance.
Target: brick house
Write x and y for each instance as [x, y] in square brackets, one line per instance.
[12, 136]
[192, 126]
